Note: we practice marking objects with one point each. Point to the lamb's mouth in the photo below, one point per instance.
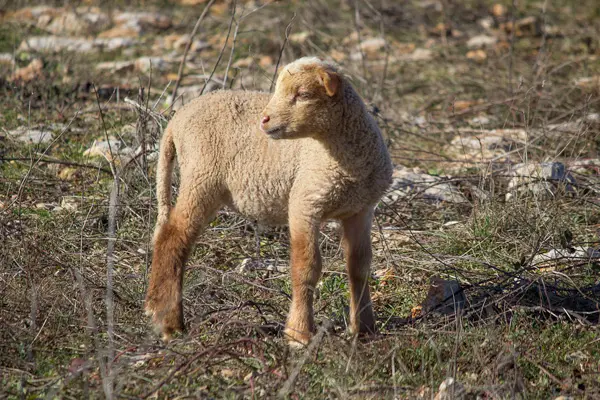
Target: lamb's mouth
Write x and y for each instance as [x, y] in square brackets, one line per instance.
[275, 132]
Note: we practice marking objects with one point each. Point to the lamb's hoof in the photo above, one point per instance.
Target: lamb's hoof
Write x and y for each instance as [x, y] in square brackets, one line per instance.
[166, 319]
[297, 339]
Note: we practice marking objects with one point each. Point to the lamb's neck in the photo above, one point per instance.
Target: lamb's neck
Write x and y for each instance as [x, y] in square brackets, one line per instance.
[357, 140]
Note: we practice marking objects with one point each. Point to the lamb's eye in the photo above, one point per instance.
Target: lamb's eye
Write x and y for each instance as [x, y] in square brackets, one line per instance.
[303, 95]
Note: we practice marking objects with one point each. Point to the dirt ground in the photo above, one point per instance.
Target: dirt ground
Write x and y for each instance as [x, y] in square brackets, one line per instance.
[485, 276]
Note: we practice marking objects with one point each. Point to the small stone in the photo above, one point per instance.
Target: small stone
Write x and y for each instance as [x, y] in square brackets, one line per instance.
[591, 83]
[111, 150]
[445, 297]
[498, 10]
[450, 389]
[67, 174]
[147, 64]
[420, 55]
[477, 55]
[113, 43]
[481, 41]
[32, 14]
[245, 266]
[198, 45]
[192, 2]
[243, 62]
[116, 67]
[486, 23]
[227, 373]
[479, 121]
[300, 37]
[528, 26]
[265, 61]
[586, 166]
[176, 42]
[120, 31]
[139, 22]
[338, 56]
[69, 203]
[70, 23]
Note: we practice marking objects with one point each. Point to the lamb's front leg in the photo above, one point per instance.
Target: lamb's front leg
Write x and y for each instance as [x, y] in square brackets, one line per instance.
[306, 271]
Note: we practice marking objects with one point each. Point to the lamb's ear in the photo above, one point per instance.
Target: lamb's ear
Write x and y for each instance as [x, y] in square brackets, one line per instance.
[330, 80]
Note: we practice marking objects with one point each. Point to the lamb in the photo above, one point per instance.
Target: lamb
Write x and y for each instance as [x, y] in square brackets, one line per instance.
[308, 153]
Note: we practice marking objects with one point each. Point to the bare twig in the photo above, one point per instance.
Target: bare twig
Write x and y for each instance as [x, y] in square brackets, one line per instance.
[288, 386]
[288, 29]
[187, 49]
[233, 6]
[511, 49]
[60, 162]
[235, 33]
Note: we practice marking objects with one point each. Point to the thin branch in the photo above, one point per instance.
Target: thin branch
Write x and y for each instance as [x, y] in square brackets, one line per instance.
[187, 49]
[235, 33]
[222, 50]
[288, 28]
[288, 386]
[61, 162]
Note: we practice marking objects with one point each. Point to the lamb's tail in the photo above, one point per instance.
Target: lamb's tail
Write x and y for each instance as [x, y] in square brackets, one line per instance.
[164, 172]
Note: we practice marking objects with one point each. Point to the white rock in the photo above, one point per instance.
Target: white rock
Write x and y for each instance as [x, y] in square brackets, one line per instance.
[539, 179]
[479, 41]
[572, 254]
[300, 37]
[35, 136]
[486, 145]
[248, 264]
[486, 23]
[56, 44]
[117, 67]
[142, 20]
[479, 121]
[418, 54]
[111, 149]
[372, 45]
[587, 166]
[80, 45]
[68, 203]
[147, 64]
[114, 43]
[71, 23]
[408, 182]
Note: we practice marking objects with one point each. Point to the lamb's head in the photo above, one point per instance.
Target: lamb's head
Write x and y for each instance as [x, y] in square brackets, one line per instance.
[307, 101]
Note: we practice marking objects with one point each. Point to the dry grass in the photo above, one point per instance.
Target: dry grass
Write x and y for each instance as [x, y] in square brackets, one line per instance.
[529, 330]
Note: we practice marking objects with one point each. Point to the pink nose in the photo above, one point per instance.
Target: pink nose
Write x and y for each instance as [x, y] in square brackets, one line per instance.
[265, 119]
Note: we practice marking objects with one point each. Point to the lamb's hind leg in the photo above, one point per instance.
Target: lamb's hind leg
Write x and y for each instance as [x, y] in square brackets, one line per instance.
[173, 242]
[357, 248]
